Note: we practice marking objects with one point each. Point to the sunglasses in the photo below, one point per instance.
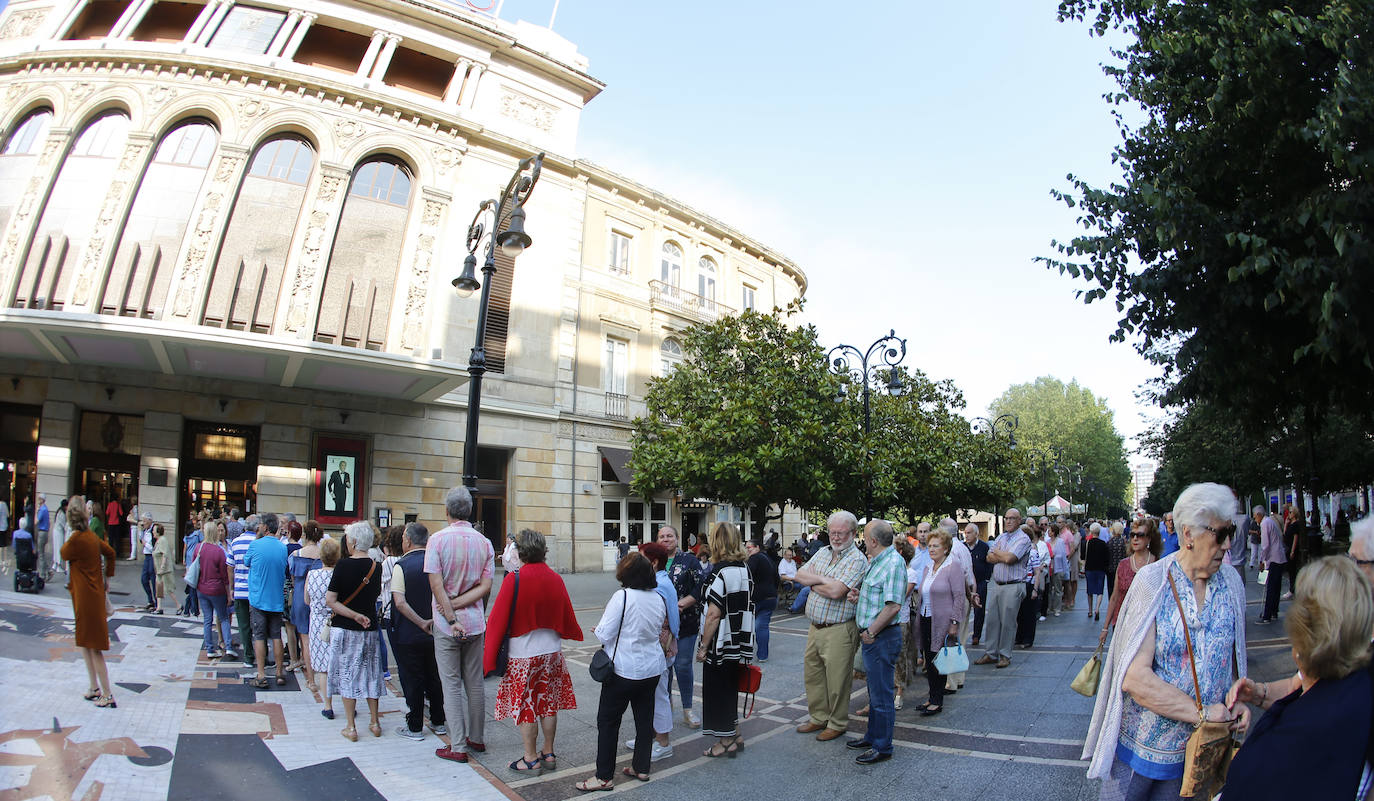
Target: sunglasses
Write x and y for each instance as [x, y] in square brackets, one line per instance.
[1223, 533]
[1141, 534]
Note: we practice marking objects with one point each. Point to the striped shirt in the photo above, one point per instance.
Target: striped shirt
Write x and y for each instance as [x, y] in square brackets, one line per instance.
[1019, 545]
[730, 592]
[884, 583]
[848, 567]
[237, 550]
[462, 557]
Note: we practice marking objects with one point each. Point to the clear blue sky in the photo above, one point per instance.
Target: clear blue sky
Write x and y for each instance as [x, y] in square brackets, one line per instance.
[902, 153]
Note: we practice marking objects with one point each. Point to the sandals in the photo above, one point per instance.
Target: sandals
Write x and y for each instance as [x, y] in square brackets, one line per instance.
[550, 759]
[261, 684]
[644, 777]
[281, 680]
[523, 765]
[375, 728]
[328, 713]
[594, 784]
[91, 695]
[106, 702]
[732, 750]
[350, 734]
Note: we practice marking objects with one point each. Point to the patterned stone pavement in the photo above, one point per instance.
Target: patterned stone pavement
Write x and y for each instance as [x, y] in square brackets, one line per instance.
[187, 728]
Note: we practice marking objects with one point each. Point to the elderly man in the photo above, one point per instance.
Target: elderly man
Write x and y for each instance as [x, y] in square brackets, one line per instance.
[412, 639]
[828, 665]
[237, 552]
[880, 599]
[982, 573]
[1169, 534]
[265, 560]
[959, 552]
[1273, 557]
[690, 580]
[1008, 557]
[42, 522]
[460, 563]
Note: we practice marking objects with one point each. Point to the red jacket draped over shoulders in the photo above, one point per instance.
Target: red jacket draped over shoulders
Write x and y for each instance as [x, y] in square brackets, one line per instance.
[542, 603]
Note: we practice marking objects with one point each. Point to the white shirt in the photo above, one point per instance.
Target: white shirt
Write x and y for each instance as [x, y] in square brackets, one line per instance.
[926, 584]
[787, 569]
[637, 654]
[538, 643]
[147, 537]
[959, 552]
[510, 558]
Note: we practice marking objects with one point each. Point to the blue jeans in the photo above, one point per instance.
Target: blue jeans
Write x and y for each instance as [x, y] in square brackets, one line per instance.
[216, 606]
[149, 578]
[682, 668]
[800, 604]
[192, 607]
[880, 662]
[763, 613]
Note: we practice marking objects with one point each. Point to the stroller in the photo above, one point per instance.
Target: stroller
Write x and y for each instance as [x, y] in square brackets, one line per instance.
[26, 575]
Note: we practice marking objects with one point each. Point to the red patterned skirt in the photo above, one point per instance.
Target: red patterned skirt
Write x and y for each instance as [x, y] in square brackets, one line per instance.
[535, 687]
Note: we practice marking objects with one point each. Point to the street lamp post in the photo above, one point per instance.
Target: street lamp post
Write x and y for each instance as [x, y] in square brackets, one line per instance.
[512, 242]
[1003, 423]
[1041, 460]
[889, 350]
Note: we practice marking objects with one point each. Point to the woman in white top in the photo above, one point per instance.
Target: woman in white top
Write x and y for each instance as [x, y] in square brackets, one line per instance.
[629, 630]
[943, 604]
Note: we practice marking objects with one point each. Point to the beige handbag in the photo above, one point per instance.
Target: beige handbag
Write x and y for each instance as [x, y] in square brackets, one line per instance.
[1211, 745]
[1085, 683]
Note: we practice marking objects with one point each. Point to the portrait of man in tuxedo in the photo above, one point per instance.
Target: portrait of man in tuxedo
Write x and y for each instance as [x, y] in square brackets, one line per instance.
[341, 488]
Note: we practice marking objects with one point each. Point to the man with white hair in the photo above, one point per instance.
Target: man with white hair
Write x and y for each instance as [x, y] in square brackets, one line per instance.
[880, 599]
[833, 637]
[42, 522]
[460, 563]
[1272, 555]
[1008, 557]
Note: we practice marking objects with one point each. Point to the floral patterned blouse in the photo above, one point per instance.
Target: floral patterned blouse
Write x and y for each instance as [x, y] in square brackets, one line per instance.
[1153, 745]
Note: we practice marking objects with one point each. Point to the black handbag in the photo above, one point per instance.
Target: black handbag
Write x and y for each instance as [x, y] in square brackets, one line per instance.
[603, 664]
[503, 653]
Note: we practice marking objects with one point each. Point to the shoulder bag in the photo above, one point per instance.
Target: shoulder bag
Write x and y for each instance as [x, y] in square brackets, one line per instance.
[1211, 745]
[503, 652]
[329, 621]
[192, 577]
[603, 664]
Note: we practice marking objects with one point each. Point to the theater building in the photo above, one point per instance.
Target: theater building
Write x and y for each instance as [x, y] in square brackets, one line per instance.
[228, 233]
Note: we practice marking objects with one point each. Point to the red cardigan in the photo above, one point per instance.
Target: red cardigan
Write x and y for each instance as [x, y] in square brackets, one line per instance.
[542, 604]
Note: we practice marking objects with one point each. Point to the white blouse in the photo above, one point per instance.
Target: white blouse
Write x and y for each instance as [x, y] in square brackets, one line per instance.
[634, 646]
[928, 583]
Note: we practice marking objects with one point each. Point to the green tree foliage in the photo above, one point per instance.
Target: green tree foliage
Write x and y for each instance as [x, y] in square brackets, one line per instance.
[1239, 235]
[745, 419]
[923, 458]
[1054, 414]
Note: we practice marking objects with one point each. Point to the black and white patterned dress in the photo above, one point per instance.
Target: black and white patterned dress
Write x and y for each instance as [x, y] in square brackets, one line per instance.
[730, 591]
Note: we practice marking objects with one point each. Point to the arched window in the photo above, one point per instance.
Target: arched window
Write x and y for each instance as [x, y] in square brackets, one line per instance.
[670, 355]
[71, 212]
[671, 273]
[18, 157]
[246, 281]
[706, 279]
[356, 302]
[142, 269]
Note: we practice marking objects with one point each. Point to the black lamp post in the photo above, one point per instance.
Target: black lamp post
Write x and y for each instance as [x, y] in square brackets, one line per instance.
[512, 242]
[1040, 460]
[889, 350]
[1001, 424]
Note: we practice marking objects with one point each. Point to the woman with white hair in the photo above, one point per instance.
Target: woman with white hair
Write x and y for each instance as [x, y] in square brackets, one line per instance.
[1146, 708]
[355, 667]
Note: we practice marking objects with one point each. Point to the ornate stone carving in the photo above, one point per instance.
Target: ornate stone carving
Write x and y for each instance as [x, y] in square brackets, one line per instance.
[418, 291]
[81, 90]
[161, 94]
[13, 91]
[594, 432]
[22, 23]
[349, 129]
[445, 158]
[196, 253]
[23, 212]
[117, 195]
[525, 109]
[252, 107]
[312, 250]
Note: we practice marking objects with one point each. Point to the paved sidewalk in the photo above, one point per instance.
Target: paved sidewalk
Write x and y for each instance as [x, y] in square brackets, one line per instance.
[190, 729]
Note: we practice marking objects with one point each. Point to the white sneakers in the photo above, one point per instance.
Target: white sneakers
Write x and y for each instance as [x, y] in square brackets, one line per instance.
[693, 722]
[658, 752]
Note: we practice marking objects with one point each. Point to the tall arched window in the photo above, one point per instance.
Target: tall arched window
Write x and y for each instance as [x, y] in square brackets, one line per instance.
[246, 280]
[356, 302]
[671, 264]
[670, 354]
[71, 212]
[151, 239]
[18, 157]
[706, 279]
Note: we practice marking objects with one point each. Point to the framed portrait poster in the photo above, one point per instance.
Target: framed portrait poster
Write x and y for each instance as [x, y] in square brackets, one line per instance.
[338, 480]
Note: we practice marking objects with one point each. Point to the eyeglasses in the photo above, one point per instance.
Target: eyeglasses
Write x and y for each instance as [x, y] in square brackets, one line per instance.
[1139, 534]
[1358, 561]
[1223, 533]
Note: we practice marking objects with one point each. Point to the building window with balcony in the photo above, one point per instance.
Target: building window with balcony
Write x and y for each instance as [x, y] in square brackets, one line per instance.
[619, 256]
[671, 355]
[247, 30]
[617, 372]
[746, 301]
[706, 280]
[671, 265]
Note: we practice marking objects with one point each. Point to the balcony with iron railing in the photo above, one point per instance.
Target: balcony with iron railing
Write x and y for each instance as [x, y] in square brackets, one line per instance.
[616, 406]
[666, 297]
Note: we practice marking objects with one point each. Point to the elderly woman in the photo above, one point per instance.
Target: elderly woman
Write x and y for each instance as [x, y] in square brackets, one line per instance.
[1329, 625]
[1145, 709]
[727, 640]
[355, 667]
[316, 597]
[1095, 569]
[943, 605]
[629, 631]
[92, 563]
[534, 610]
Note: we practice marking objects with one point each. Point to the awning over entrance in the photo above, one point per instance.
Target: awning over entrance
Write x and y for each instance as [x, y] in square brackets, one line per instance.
[613, 463]
[202, 352]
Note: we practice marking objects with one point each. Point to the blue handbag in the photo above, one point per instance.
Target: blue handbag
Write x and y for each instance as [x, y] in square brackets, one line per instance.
[951, 659]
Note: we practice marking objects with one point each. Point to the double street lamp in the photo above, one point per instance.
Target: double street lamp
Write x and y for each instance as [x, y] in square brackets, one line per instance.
[887, 352]
[1040, 460]
[993, 428]
[512, 242]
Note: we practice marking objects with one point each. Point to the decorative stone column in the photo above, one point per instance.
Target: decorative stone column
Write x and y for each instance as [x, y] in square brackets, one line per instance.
[384, 58]
[202, 20]
[209, 30]
[284, 32]
[313, 255]
[100, 247]
[455, 84]
[19, 232]
[294, 43]
[469, 94]
[186, 293]
[370, 57]
[434, 206]
[130, 19]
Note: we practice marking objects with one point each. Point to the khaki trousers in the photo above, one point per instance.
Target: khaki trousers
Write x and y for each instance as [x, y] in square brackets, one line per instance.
[828, 671]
